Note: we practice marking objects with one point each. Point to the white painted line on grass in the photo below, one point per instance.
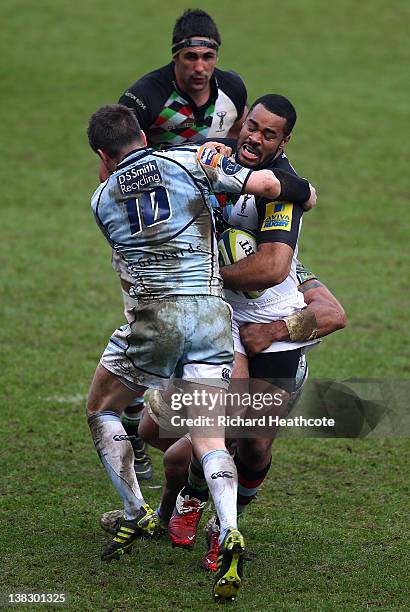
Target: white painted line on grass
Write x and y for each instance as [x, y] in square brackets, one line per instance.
[68, 399]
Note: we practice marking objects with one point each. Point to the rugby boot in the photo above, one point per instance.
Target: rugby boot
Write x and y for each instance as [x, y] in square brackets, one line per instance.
[110, 521]
[128, 531]
[212, 531]
[229, 571]
[184, 521]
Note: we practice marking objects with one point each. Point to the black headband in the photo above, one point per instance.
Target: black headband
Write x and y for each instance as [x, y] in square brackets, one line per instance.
[194, 42]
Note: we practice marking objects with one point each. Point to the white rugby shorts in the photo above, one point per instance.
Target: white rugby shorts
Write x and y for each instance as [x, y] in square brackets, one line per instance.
[188, 337]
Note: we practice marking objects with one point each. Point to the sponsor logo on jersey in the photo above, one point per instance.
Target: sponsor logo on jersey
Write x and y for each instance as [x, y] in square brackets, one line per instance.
[140, 103]
[120, 437]
[246, 197]
[134, 180]
[278, 217]
[185, 125]
[229, 167]
[208, 157]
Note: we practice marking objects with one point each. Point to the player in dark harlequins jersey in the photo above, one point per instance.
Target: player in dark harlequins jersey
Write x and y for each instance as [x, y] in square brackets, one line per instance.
[189, 99]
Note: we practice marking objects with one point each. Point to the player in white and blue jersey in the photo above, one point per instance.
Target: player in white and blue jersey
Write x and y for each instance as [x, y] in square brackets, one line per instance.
[155, 211]
[185, 101]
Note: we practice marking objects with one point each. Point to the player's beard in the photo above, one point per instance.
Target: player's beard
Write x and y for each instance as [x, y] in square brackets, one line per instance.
[269, 161]
[265, 164]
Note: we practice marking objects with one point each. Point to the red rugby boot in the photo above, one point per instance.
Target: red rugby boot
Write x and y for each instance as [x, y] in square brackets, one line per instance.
[184, 521]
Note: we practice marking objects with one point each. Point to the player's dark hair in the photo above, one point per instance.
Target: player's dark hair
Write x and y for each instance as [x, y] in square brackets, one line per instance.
[195, 22]
[281, 106]
[113, 127]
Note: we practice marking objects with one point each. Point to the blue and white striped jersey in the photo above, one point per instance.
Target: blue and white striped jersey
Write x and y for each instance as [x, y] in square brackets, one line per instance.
[155, 211]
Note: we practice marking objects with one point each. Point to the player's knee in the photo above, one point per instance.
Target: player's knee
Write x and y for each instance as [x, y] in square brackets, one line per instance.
[92, 405]
[147, 429]
[97, 403]
[257, 454]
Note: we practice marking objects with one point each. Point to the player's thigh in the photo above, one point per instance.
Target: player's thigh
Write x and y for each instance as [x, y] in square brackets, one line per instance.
[240, 368]
[107, 392]
[146, 351]
[208, 354]
[278, 368]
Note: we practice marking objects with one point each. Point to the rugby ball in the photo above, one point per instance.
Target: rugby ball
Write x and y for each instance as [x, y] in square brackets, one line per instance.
[233, 245]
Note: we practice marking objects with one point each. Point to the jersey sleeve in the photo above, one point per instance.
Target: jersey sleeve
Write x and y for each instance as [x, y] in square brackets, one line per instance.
[223, 173]
[145, 98]
[232, 85]
[278, 222]
[303, 273]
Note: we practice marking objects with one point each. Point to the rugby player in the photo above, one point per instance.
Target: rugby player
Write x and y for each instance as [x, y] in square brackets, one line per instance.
[262, 140]
[155, 210]
[189, 99]
[186, 100]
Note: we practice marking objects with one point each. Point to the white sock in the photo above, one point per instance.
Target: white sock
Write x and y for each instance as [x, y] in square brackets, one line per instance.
[117, 456]
[222, 478]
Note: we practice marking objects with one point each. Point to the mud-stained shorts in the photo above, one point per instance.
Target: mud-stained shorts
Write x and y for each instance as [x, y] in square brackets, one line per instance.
[186, 336]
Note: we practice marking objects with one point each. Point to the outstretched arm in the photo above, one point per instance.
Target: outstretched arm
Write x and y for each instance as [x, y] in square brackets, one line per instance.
[225, 174]
[283, 186]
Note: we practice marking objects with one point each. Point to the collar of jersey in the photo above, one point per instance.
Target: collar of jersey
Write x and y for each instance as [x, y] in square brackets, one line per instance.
[135, 154]
[213, 95]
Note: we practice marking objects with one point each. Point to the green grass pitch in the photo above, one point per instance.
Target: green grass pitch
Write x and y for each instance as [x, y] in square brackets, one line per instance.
[328, 531]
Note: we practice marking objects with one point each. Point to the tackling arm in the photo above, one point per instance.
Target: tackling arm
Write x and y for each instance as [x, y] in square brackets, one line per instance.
[273, 185]
[323, 309]
[283, 186]
[269, 266]
[329, 313]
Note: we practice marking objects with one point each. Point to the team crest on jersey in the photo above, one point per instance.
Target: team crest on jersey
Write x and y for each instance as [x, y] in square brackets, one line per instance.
[278, 217]
[208, 157]
[143, 176]
[229, 167]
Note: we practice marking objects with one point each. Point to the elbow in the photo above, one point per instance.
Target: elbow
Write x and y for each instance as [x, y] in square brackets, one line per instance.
[273, 190]
[268, 186]
[270, 280]
[279, 271]
[279, 277]
[340, 319]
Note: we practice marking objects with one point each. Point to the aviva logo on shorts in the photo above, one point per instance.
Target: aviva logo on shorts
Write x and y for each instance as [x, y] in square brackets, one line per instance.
[278, 216]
